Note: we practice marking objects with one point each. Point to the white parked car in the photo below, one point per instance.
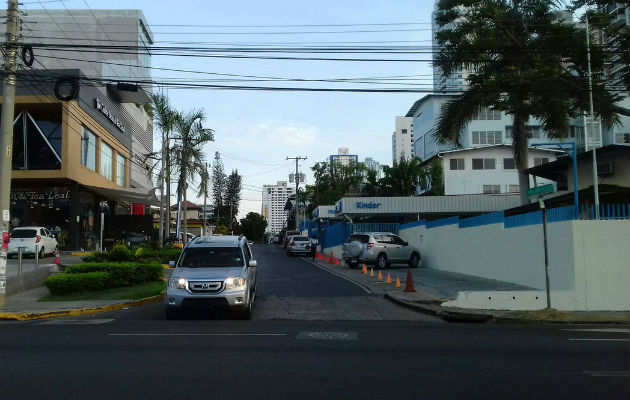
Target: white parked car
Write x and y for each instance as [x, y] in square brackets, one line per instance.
[32, 239]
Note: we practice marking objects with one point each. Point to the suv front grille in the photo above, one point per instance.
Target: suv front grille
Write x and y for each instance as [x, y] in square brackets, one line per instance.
[205, 286]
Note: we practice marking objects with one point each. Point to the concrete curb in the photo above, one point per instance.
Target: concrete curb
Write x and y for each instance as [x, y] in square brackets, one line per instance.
[508, 320]
[79, 311]
[413, 306]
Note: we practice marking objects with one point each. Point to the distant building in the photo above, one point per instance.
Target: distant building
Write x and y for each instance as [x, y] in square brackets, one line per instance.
[402, 139]
[343, 157]
[373, 165]
[274, 198]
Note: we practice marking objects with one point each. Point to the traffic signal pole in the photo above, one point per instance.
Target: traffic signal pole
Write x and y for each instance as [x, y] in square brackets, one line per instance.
[6, 137]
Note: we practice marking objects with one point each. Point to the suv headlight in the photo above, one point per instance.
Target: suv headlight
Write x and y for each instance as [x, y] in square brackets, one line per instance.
[234, 283]
[178, 283]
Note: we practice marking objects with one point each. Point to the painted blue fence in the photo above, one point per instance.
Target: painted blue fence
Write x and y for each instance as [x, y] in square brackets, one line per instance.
[606, 211]
[484, 219]
[378, 227]
[443, 222]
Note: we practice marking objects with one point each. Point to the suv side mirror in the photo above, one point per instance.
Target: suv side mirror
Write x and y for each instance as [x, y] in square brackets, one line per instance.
[406, 243]
[171, 264]
[252, 263]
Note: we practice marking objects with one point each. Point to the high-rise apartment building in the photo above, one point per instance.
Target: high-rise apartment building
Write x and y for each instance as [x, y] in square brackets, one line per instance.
[274, 198]
[402, 139]
[343, 157]
[374, 165]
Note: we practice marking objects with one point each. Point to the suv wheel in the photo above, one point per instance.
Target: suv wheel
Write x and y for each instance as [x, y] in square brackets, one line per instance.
[353, 265]
[247, 313]
[414, 260]
[381, 261]
[42, 253]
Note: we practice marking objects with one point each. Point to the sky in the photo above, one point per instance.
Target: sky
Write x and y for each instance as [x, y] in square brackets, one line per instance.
[256, 130]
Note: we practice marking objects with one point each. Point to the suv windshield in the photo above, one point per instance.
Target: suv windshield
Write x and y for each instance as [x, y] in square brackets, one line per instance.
[300, 239]
[23, 233]
[211, 257]
[358, 238]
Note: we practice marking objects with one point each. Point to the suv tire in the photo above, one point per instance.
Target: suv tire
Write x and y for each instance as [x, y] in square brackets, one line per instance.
[381, 261]
[247, 313]
[414, 261]
[42, 253]
[353, 265]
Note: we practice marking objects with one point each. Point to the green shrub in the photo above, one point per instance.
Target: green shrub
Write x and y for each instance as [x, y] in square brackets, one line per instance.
[97, 256]
[119, 253]
[73, 283]
[121, 274]
[166, 255]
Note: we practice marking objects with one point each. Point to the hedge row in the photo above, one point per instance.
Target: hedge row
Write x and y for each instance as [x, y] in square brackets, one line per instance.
[121, 254]
[99, 276]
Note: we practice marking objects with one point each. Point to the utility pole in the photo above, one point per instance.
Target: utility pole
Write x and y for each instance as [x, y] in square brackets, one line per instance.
[162, 211]
[205, 195]
[6, 137]
[297, 189]
[590, 93]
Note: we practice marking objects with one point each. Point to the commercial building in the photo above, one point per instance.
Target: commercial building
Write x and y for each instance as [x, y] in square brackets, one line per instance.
[76, 158]
[402, 139]
[374, 165]
[274, 199]
[487, 169]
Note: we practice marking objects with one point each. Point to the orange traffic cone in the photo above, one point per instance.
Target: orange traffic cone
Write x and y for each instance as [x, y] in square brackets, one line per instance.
[389, 279]
[371, 271]
[380, 276]
[336, 261]
[398, 285]
[364, 270]
[57, 260]
[409, 284]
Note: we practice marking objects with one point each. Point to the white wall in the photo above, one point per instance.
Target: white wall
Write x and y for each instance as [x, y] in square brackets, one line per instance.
[589, 261]
[620, 177]
[402, 142]
[469, 181]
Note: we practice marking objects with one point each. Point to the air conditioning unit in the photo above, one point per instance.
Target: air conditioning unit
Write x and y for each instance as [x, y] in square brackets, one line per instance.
[605, 169]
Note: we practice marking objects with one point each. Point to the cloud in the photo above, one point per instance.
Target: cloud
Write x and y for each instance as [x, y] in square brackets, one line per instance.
[278, 135]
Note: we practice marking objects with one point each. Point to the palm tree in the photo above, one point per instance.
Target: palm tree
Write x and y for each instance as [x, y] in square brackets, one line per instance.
[188, 154]
[164, 117]
[522, 60]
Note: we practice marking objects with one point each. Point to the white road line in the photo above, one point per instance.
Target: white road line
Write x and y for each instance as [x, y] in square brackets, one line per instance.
[599, 340]
[607, 373]
[197, 334]
[367, 290]
[609, 330]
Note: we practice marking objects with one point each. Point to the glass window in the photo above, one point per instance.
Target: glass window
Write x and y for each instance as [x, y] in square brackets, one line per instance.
[508, 163]
[457, 164]
[477, 163]
[88, 149]
[120, 170]
[36, 147]
[211, 257]
[540, 160]
[491, 189]
[514, 188]
[106, 161]
[488, 163]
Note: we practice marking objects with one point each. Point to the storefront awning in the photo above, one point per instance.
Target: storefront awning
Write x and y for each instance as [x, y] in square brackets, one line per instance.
[132, 195]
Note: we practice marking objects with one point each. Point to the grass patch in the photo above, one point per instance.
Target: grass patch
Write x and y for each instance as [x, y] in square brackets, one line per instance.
[136, 292]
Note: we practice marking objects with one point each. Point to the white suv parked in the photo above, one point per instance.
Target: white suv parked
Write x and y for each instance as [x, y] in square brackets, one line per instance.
[33, 239]
[380, 249]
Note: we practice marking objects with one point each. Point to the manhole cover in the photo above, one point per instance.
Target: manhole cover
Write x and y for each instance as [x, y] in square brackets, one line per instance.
[328, 335]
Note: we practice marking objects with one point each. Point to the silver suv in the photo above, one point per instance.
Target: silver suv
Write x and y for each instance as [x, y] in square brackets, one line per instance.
[213, 272]
[380, 249]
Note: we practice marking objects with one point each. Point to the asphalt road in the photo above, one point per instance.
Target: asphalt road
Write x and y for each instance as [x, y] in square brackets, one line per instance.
[306, 343]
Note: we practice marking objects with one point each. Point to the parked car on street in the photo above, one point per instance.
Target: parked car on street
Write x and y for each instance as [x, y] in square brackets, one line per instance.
[299, 245]
[213, 272]
[380, 249]
[134, 239]
[288, 236]
[32, 239]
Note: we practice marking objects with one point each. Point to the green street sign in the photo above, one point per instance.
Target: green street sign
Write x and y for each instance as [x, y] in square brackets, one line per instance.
[540, 190]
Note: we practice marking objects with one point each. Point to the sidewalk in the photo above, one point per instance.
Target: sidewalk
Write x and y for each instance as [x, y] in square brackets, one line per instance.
[435, 287]
[25, 306]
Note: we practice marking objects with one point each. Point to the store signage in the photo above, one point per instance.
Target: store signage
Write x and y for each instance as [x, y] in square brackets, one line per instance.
[105, 111]
[49, 197]
[370, 204]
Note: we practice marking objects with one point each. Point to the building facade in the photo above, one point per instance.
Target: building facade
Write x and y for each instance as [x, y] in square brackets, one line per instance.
[402, 139]
[274, 199]
[374, 165]
[343, 157]
[76, 159]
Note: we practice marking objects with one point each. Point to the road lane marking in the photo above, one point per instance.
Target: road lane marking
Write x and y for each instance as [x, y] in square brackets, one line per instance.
[610, 330]
[327, 335]
[607, 373]
[197, 334]
[599, 340]
[367, 290]
[75, 321]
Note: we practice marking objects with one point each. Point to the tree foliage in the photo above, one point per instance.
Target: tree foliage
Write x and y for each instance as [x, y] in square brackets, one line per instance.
[253, 225]
[232, 195]
[218, 181]
[523, 60]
